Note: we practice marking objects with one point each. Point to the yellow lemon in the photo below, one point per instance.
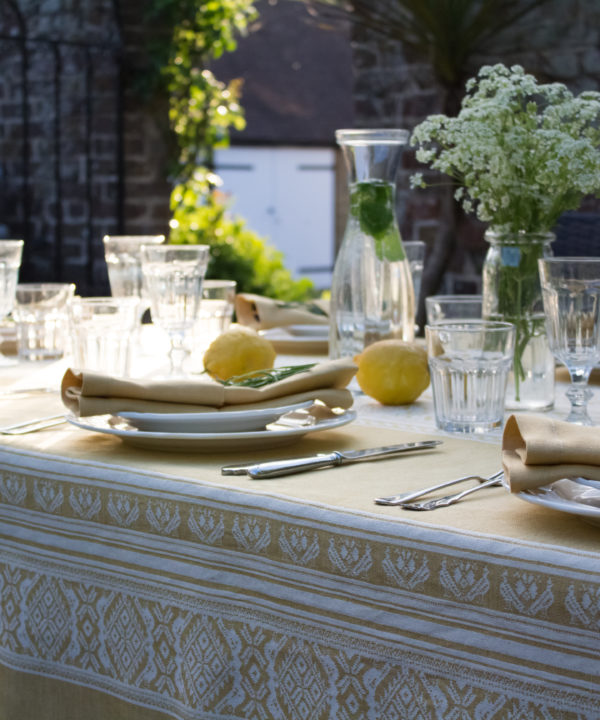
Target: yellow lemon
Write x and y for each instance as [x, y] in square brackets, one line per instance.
[392, 371]
[237, 351]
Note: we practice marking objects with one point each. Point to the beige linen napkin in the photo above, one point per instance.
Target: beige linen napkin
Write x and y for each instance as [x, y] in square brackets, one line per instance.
[262, 313]
[537, 450]
[87, 393]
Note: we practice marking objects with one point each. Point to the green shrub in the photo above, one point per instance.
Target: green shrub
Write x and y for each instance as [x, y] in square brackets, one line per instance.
[237, 252]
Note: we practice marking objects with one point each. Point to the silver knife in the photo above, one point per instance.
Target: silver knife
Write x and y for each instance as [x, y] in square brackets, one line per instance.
[276, 468]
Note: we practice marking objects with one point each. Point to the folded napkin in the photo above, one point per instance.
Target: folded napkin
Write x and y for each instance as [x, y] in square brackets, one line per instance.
[537, 450]
[88, 393]
[262, 313]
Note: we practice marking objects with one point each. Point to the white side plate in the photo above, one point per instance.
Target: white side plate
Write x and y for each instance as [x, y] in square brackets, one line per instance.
[284, 341]
[221, 421]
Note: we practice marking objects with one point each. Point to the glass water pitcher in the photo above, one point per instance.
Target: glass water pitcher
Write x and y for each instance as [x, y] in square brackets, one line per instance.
[372, 296]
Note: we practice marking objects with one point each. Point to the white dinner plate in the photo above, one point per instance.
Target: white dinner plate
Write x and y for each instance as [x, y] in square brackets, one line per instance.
[219, 421]
[286, 431]
[284, 341]
[577, 497]
[311, 331]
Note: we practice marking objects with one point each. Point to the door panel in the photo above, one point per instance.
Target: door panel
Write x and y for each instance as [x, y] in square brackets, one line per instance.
[288, 196]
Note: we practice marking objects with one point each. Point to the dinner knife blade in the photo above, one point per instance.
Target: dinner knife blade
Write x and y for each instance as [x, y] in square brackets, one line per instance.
[277, 468]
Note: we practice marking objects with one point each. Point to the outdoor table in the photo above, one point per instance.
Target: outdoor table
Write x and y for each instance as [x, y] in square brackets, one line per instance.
[144, 584]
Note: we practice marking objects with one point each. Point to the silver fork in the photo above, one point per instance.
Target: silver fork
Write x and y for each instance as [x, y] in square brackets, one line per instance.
[34, 425]
[449, 499]
[408, 497]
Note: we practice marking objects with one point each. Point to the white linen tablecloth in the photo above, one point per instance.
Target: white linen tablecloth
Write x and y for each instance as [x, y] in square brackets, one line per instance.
[139, 584]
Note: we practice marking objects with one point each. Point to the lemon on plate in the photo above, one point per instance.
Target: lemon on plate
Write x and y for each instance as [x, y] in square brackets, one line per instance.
[392, 371]
[237, 351]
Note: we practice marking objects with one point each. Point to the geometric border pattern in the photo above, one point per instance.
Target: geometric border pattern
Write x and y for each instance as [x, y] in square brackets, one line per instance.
[204, 609]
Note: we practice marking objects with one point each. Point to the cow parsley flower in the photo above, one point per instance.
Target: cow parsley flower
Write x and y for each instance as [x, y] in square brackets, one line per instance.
[523, 152]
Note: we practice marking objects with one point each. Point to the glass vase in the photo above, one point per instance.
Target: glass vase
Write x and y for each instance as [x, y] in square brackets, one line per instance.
[512, 292]
[372, 296]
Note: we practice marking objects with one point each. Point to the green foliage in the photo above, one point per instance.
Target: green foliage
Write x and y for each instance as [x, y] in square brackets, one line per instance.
[202, 110]
[260, 378]
[372, 204]
[511, 282]
[237, 253]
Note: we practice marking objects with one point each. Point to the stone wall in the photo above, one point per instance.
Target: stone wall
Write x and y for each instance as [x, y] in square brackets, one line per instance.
[80, 156]
[561, 42]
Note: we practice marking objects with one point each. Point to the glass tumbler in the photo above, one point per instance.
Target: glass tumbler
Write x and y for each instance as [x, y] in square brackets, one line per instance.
[41, 315]
[101, 333]
[469, 363]
[440, 308]
[216, 312]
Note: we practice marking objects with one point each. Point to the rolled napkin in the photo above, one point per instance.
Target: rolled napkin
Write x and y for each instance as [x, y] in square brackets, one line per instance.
[538, 450]
[262, 313]
[87, 393]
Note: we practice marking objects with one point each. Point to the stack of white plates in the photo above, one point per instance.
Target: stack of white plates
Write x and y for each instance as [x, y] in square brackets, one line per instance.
[218, 430]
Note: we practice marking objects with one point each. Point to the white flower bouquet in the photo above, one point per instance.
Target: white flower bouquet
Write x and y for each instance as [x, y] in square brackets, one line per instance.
[520, 152]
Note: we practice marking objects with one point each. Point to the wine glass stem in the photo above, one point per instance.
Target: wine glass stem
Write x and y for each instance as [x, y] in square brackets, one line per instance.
[177, 354]
[579, 394]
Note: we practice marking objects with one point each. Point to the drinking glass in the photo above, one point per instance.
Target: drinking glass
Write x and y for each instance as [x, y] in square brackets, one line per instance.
[11, 252]
[440, 308]
[101, 333]
[216, 312]
[123, 260]
[571, 293]
[41, 316]
[469, 362]
[173, 276]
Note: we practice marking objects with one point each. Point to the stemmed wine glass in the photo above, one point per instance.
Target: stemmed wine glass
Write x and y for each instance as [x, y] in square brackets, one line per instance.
[571, 292]
[123, 261]
[124, 264]
[11, 252]
[173, 276]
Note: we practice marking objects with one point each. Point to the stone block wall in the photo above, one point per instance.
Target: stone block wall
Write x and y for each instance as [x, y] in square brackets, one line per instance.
[560, 42]
[80, 154]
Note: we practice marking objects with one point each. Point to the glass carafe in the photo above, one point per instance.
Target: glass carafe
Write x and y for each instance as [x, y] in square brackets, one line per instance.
[372, 296]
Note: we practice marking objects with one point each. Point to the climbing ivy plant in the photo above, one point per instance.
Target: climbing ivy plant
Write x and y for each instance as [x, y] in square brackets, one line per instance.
[187, 37]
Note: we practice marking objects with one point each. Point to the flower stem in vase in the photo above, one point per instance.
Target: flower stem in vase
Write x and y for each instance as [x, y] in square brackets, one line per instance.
[512, 292]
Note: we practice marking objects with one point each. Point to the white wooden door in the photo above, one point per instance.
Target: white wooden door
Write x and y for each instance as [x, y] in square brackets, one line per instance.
[286, 195]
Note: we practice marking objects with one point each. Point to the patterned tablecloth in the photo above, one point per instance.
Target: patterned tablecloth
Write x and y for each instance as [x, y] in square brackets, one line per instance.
[143, 584]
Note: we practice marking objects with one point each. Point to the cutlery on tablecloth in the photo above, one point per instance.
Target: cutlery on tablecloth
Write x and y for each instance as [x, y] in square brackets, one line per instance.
[448, 499]
[409, 497]
[29, 426]
[277, 468]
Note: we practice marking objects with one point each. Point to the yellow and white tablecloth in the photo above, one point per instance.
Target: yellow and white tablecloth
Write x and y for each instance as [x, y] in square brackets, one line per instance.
[138, 584]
